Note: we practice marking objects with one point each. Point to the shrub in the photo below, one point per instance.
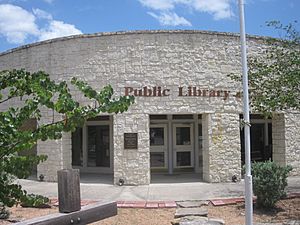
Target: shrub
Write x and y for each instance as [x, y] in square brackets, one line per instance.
[36, 201]
[4, 213]
[269, 182]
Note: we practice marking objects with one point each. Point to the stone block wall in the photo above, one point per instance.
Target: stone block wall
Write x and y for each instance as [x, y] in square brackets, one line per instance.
[286, 136]
[131, 165]
[292, 134]
[278, 138]
[292, 127]
[57, 151]
[221, 150]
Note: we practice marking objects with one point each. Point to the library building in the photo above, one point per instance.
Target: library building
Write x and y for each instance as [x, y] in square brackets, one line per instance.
[186, 119]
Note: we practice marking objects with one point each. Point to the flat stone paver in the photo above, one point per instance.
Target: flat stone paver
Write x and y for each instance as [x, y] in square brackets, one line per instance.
[192, 204]
[181, 212]
[267, 224]
[217, 221]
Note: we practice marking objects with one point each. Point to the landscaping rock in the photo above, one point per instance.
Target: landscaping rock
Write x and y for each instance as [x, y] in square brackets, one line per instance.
[179, 221]
[193, 220]
[181, 212]
[175, 221]
[292, 222]
[217, 221]
[192, 204]
[199, 222]
[193, 223]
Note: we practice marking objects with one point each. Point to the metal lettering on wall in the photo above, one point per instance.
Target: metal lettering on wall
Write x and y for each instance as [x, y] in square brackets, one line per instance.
[130, 141]
[190, 91]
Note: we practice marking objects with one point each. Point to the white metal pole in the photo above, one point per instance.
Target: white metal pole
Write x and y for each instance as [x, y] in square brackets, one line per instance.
[248, 176]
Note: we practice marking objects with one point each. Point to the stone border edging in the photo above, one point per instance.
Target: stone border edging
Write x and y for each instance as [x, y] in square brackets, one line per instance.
[232, 201]
[168, 204]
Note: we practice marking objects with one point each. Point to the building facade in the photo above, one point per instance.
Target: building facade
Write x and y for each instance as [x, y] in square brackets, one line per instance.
[187, 111]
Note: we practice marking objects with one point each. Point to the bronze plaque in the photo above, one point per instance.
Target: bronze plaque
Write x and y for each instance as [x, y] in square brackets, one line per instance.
[130, 141]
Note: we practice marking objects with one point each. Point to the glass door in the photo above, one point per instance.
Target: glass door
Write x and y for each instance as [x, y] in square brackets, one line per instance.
[158, 146]
[261, 141]
[183, 146]
[98, 146]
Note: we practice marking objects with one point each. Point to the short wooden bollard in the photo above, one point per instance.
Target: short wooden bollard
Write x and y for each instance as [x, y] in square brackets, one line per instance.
[68, 190]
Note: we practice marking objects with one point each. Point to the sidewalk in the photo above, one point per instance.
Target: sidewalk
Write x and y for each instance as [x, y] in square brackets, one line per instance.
[152, 192]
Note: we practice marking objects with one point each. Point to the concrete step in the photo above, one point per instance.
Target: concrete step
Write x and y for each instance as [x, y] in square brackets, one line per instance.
[192, 204]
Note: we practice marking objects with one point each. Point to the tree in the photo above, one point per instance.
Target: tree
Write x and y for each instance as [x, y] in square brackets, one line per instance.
[274, 74]
[39, 92]
[274, 81]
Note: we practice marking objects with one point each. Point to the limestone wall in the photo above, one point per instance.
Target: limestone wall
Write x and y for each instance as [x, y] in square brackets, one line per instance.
[221, 151]
[286, 136]
[278, 136]
[292, 135]
[132, 165]
[57, 151]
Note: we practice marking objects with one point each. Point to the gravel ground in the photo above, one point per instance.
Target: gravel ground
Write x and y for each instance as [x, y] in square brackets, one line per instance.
[288, 209]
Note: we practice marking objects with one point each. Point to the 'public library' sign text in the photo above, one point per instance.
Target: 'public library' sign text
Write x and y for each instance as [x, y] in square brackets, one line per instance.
[190, 91]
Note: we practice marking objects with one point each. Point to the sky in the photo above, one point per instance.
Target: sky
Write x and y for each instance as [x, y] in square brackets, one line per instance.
[28, 21]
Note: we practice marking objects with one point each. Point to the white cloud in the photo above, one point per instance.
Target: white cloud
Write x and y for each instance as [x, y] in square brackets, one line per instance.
[58, 29]
[158, 4]
[170, 19]
[17, 25]
[219, 9]
[41, 14]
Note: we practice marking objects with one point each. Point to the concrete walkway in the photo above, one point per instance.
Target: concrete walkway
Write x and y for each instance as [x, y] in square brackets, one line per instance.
[156, 191]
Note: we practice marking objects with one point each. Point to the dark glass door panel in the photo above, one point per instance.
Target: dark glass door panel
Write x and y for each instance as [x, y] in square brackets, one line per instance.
[77, 153]
[157, 159]
[200, 145]
[183, 159]
[183, 136]
[260, 149]
[158, 146]
[156, 136]
[257, 141]
[98, 146]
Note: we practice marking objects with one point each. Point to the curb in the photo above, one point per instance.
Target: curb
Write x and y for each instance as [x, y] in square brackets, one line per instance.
[129, 204]
[170, 204]
[233, 201]
[147, 204]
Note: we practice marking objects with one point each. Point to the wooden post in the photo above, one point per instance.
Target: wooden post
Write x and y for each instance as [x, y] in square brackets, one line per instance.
[68, 190]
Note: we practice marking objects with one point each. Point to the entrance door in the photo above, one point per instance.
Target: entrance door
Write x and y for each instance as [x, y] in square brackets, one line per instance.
[158, 146]
[183, 146]
[92, 146]
[261, 140]
[98, 146]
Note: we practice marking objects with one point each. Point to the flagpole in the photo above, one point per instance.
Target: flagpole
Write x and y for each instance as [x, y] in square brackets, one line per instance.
[248, 176]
